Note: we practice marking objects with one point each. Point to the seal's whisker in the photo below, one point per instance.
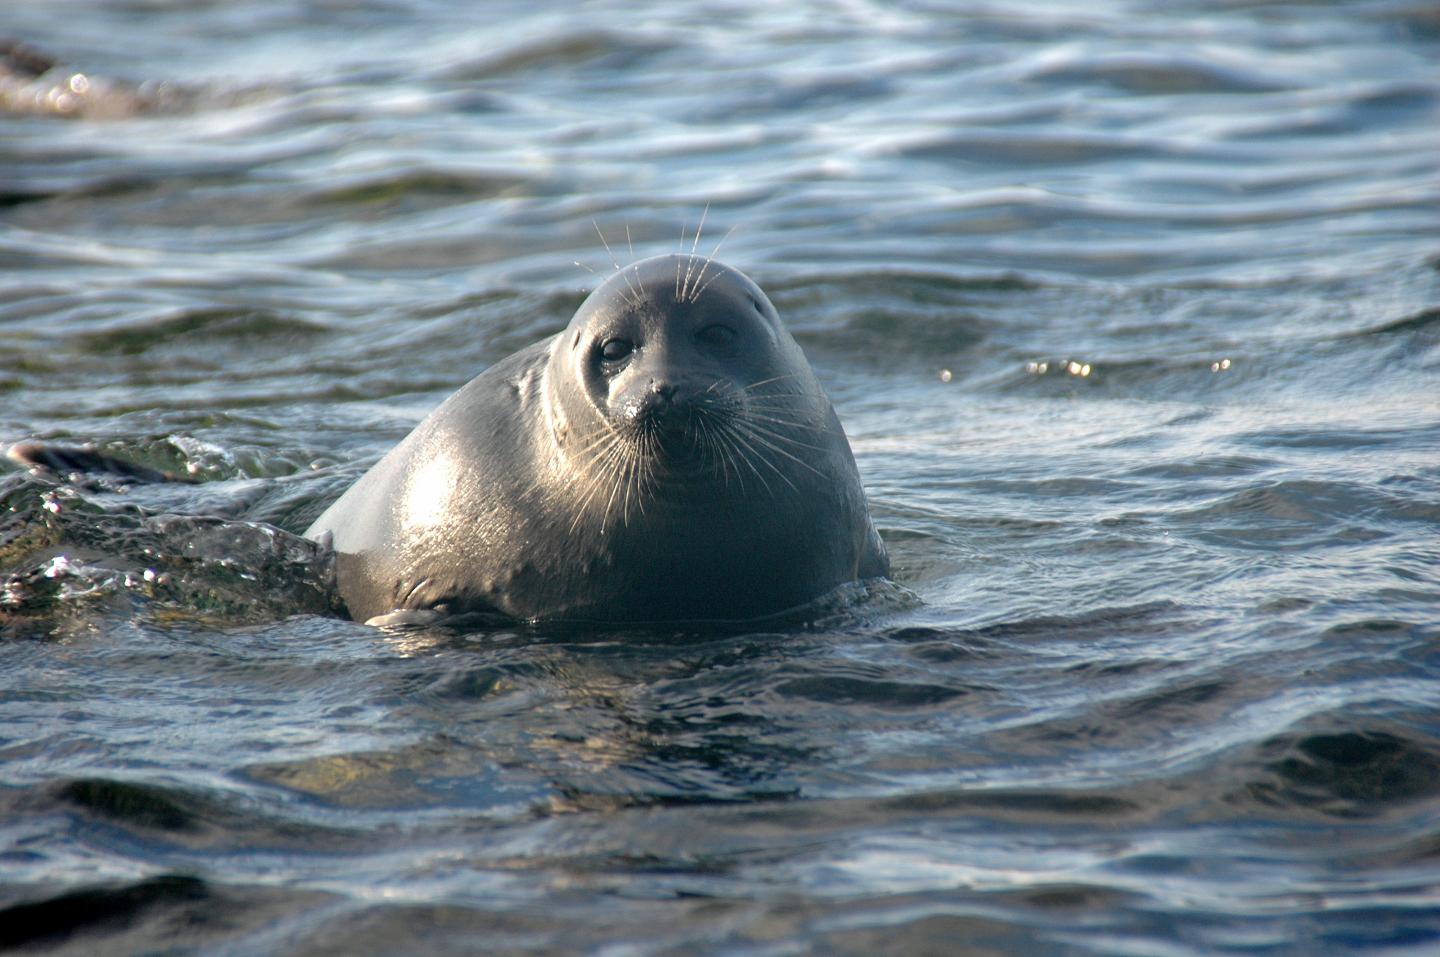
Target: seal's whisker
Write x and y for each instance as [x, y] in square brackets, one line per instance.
[745, 453]
[595, 469]
[758, 414]
[690, 262]
[710, 422]
[753, 432]
[731, 457]
[767, 429]
[611, 478]
[604, 242]
[610, 502]
[782, 406]
[781, 437]
[783, 401]
[751, 453]
[604, 471]
[637, 475]
[777, 407]
[712, 451]
[627, 485]
[764, 400]
[778, 378]
[777, 401]
[684, 293]
[695, 297]
[609, 473]
[606, 433]
[645, 486]
[681, 247]
[639, 479]
[635, 297]
[699, 229]
[585, 454]
[760, 427]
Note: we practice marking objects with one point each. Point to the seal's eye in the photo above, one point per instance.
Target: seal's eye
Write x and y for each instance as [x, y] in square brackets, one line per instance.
[615, 350]
[716, 335]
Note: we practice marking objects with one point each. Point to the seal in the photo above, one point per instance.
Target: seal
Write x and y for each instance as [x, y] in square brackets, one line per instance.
[669, 457]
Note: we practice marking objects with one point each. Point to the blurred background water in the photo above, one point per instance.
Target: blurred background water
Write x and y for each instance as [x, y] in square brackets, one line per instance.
[1130, 310]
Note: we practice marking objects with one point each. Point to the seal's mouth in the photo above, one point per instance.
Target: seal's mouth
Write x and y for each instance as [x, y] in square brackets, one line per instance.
[677, 433]
[674, 445]
[678, 446]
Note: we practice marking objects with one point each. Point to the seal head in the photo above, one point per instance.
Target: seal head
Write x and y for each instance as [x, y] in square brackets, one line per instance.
[666, 377]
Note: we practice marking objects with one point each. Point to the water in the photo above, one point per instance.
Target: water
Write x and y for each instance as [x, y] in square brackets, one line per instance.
[1130, 311]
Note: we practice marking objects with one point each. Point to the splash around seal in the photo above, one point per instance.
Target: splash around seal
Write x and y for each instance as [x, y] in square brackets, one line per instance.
[668, 457]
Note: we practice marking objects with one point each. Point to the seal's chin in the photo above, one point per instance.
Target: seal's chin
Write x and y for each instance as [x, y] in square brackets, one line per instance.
[679, 449]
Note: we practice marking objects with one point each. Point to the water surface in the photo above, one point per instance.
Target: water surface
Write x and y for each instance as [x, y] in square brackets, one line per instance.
[1131, 311]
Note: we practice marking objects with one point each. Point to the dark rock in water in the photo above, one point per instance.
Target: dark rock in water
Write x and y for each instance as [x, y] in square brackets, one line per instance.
[63, 557]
